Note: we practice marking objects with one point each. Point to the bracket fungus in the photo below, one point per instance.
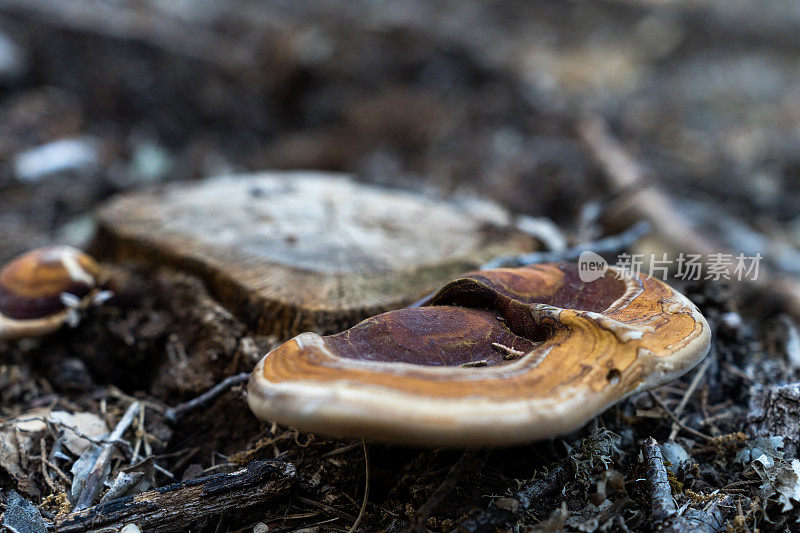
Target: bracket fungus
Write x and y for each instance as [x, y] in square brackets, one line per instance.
[45, 288]
[496, 357]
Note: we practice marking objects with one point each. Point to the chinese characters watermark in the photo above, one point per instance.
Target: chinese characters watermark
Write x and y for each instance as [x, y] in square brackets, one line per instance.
[690, 267]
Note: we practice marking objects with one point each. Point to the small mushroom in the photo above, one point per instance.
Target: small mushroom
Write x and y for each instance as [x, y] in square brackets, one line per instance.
[496, 357]
[45, 288]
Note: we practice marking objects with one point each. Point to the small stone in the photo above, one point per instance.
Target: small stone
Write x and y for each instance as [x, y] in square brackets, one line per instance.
[80, 154]
[770, 446]
[544, 230]
[731, 321]
[674, 455]
[71, 374]
[13, 60]
[507, 504]
[150, 162]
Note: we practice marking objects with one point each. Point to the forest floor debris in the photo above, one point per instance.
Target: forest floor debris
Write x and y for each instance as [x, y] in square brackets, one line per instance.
[493, 103]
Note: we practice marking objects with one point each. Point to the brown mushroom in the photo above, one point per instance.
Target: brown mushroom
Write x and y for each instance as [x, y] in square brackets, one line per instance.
[43, 289]
[496, 357]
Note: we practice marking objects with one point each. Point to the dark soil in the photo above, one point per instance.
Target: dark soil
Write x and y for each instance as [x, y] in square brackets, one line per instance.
[444, 97]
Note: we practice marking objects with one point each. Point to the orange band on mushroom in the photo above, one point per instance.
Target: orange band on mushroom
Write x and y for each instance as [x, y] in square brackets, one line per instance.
[495, 357]
[33, 288]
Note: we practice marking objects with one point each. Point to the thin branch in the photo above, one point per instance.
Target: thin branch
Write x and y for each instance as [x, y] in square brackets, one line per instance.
[666, 516]
[454, 475]
[495, 516]
[174, 414]
[676, 420]
[661, 502]
[327, 508]
[698, 377]
[644, 199]
[176, 507]
[366, 490]
[43, 459]
[94, 481]
[606, 245]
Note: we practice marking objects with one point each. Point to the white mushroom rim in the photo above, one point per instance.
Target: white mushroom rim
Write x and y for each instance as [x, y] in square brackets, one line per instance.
[357, 408]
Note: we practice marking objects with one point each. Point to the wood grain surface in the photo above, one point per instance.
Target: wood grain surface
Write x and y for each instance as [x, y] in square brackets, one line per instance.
[304, 251]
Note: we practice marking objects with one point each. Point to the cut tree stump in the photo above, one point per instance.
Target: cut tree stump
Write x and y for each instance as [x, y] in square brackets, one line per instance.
[306, 251]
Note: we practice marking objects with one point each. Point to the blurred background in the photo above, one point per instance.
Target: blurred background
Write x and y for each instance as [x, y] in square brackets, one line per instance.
[103, 96]
[595, 115]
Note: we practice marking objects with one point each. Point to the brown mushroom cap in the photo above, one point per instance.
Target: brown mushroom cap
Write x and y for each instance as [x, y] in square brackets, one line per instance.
[555, 352]
[31, 288]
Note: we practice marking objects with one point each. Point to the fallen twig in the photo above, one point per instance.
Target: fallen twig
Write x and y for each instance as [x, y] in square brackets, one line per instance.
[366, 490]
[177, 506]
[661, 502]
[99, 441]
[43, 459]
[328, 509]
[512, 507]
[507, 351]
[606, 245]
[174, 414]
[658, 401]
[698, 377]
[643, 199]
[665, 514]
[94, 481]
[453, 476]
